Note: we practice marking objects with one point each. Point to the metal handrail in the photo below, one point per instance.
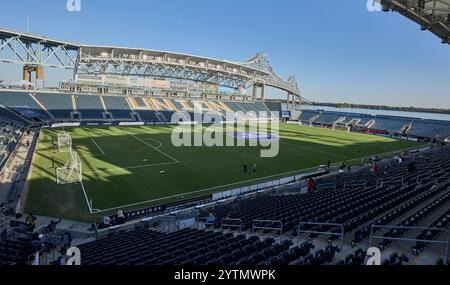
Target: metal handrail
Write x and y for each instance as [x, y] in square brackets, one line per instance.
[341, 234]
[280, 228]
[446, 242]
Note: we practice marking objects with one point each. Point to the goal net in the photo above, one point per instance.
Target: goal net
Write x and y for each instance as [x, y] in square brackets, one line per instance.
[64, 142]
[71, 172]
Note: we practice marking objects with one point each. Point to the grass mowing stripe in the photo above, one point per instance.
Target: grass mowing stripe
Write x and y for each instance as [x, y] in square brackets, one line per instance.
[316, 150]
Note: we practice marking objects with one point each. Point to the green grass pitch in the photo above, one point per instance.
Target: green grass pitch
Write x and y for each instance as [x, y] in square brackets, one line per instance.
[122, 166]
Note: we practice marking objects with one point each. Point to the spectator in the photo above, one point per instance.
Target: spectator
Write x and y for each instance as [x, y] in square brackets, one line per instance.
[105, 222]
[64, 260]
[31, 222]
[52, 226]
[121, 217]
[328, 164]
[234, 208]
[210, 220]
[311, 184]
[376, 168]
[66, 239]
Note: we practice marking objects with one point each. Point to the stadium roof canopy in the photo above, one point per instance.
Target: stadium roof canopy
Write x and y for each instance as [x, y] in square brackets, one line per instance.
[28, 49]
[432, 15]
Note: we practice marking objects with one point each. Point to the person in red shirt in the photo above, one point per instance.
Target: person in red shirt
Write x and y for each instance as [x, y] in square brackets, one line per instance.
[376, 168]
[310, 184]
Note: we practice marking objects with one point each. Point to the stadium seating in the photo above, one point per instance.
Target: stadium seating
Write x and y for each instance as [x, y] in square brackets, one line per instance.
[391, 124]
[429, 128]
[11, 115]
[329, 118]
[90, 107]
[199, 247]
[10, 133]
[60, 105]
[24, 104]
[383, 200]
[118, 107]
[15, 252]
[308, 116]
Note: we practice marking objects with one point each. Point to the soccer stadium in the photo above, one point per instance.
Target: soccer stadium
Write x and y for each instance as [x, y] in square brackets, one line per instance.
[152, 157]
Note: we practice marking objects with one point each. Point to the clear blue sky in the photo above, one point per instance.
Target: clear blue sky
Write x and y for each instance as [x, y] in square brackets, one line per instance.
[338, 50]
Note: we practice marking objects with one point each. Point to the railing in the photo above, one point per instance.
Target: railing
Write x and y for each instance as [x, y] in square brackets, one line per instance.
[443, 242]
[341, 234]
[261, 225]
[232, 223]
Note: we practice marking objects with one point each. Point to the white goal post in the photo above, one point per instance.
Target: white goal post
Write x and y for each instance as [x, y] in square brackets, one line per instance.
[71, 172]
[64, 142]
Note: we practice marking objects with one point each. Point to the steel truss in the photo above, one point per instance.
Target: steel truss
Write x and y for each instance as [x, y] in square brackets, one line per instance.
[30, 50]
[432, 15]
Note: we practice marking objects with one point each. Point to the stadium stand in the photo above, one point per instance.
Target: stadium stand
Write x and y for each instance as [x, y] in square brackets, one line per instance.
[24, 104]
[308, 116]
[60, 105]
[429, 128]
[391, 124]
[118, 107]
[12, 115]
[90, 107]
[329, 118]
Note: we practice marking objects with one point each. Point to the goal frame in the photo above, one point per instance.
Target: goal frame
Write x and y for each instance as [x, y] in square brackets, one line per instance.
[71, 172]
[64, 142]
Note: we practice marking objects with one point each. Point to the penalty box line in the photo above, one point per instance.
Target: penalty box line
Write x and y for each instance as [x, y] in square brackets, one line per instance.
[158, 150]
[130, 167]
[99, 148]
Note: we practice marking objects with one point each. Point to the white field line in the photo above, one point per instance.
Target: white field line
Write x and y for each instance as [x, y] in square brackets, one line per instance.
[153, 140]
[99, 148]
[158, 150]
[86, 197]
[131, 167]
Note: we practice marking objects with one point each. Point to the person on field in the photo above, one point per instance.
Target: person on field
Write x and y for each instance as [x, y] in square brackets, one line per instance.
[245, 168]
[254, 168]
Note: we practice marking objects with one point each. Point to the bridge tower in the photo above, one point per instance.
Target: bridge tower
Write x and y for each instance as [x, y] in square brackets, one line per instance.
[28, 72]
[257, 86]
